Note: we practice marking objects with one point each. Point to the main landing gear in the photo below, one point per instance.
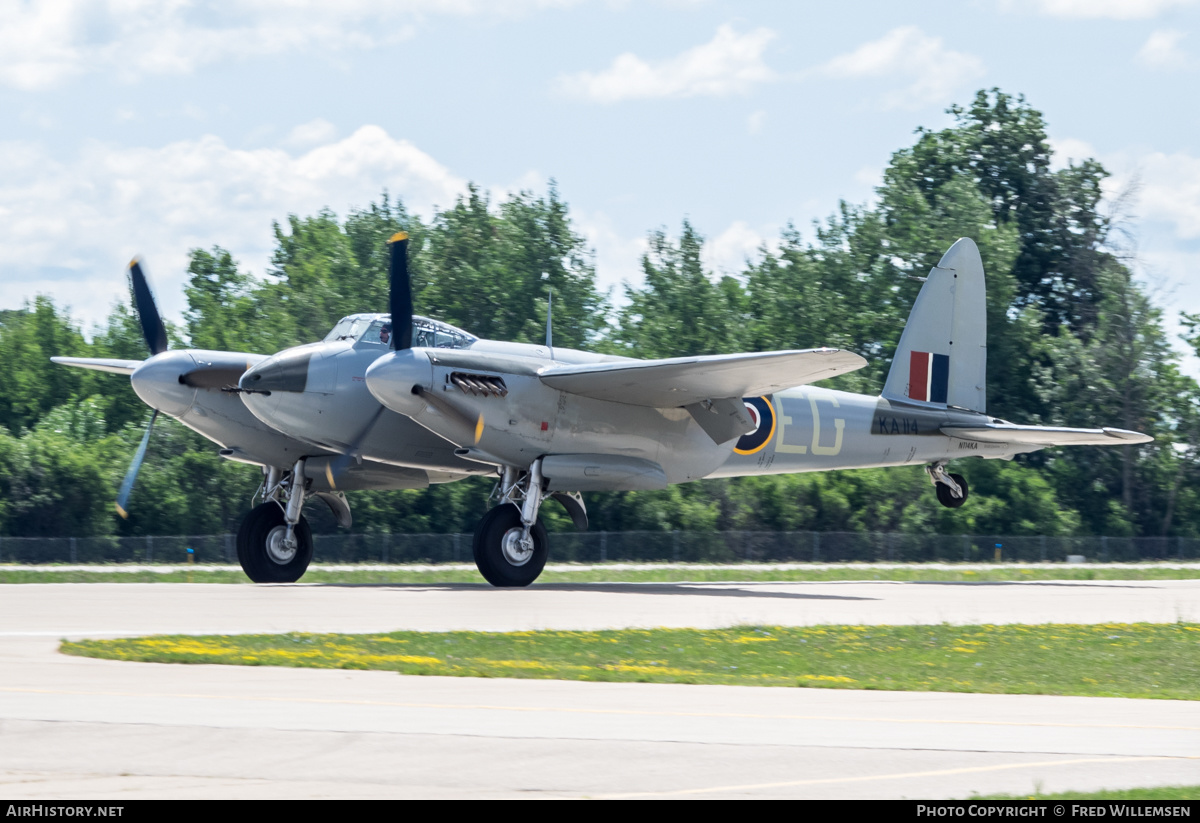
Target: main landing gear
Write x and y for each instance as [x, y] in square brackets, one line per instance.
[274, 543]
[510, 541]
[951, 489]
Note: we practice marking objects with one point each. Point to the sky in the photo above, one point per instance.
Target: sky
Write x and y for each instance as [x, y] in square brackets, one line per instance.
[152, 128]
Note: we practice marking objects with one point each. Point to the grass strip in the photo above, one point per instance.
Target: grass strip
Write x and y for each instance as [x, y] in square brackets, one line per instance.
[1156, 793]
[1103, 660]
[679, 573]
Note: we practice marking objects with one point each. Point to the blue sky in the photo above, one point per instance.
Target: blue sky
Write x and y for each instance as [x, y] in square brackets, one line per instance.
[152, 128]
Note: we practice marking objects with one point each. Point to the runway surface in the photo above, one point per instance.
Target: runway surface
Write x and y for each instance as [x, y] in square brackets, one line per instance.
[79, 728]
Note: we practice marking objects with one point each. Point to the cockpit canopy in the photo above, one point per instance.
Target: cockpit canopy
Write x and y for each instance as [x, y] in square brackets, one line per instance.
[376, 329]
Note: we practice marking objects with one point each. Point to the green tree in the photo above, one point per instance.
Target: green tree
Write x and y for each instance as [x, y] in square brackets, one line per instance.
[491, 270]
[32, 384]
[680, 310]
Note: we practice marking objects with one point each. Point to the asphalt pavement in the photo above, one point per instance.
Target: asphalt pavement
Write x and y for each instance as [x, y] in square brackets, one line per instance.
[80, 728]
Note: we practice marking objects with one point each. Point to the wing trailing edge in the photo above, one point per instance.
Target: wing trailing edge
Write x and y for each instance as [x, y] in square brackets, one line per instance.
[682, 381]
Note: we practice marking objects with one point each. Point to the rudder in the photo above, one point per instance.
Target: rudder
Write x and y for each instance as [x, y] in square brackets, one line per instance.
[942, 357]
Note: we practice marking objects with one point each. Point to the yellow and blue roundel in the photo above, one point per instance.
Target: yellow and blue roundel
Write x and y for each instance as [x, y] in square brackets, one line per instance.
[763, 415]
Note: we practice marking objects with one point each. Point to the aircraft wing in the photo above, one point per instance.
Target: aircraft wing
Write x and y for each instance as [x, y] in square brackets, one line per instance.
[680, 381]
[1046, 435]
[100, 364]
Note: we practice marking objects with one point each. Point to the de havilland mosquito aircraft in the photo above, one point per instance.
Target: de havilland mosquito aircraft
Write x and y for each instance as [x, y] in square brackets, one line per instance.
[401, 401]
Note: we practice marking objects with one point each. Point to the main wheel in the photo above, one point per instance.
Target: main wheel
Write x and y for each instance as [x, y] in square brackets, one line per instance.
[501, 557]
[949, 500]
[264, 551]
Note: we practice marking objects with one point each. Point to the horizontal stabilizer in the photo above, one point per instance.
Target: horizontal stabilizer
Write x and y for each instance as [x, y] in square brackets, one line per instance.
[681, 381]
[1046, 435]
[99, 364]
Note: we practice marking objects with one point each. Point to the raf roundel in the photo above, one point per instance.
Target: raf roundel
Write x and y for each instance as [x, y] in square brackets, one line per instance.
[764, 418]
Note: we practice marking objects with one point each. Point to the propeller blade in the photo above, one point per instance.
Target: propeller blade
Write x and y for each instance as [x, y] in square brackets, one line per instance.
[473, 426]
[143, 301]
[131, 475]
[401, 292]
[336, 467]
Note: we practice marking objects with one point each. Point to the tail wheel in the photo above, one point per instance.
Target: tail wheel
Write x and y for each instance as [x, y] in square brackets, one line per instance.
[263, 548]
[501, 556]
[947, 498]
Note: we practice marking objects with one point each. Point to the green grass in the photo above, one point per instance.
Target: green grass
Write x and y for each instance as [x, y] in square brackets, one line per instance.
[665, 573]
[1108, 660]
[1158, 793]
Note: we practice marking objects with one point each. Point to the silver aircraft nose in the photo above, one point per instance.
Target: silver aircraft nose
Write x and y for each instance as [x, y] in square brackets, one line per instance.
[157, 381]
[393, 379]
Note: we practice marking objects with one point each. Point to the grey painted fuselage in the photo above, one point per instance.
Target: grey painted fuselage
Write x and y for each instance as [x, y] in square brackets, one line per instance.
[800, 429]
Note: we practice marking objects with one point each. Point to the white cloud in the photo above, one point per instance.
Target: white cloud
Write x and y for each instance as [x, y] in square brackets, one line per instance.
[311, 133]
[1161, 51]
[1067, 150]
[728, 252]
[907, 53]
[1169, 191]
[618, 257]
[730, 63]
[68, 228]
[1104, 9]
[44, 43]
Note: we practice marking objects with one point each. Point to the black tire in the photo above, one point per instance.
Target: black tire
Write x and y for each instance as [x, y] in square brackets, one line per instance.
[258, 561]
[496, 566]
[949, 500]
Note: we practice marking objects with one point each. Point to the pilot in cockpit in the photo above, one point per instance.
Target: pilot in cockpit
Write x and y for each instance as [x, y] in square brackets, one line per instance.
[385, 333]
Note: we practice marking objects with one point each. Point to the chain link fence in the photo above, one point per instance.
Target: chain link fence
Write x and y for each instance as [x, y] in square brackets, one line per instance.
[600, 547]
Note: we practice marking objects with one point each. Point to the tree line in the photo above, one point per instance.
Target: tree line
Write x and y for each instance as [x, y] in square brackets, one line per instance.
[1074, 340]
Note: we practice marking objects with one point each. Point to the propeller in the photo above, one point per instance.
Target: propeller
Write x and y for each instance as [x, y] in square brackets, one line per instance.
[134, 467]
[471, 424]
[143, 302]
[156, 339]
[400, 291]
[401, 307]
[401, 304]
[336, 467]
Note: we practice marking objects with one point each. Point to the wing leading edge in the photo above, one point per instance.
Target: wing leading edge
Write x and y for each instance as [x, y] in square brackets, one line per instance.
[100, 364]
[681, 381]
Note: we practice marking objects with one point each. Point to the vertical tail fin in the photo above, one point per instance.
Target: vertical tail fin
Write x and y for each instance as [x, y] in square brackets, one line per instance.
[942, 357]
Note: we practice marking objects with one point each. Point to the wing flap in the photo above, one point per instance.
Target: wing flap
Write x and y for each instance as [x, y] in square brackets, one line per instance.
[682, 381]
[1047, 435]
[99, 364]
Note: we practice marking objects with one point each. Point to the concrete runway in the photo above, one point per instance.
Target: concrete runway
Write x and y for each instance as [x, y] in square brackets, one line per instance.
[78, 728]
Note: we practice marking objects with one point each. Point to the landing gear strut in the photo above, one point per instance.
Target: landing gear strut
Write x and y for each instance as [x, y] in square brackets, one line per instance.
[510, 543]
[274, 543]
[951, 489]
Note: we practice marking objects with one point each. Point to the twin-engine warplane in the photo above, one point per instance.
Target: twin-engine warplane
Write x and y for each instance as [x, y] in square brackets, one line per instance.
[401, 401]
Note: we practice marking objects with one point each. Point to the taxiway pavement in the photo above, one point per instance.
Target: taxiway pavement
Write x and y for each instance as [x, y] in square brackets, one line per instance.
[79, 728]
